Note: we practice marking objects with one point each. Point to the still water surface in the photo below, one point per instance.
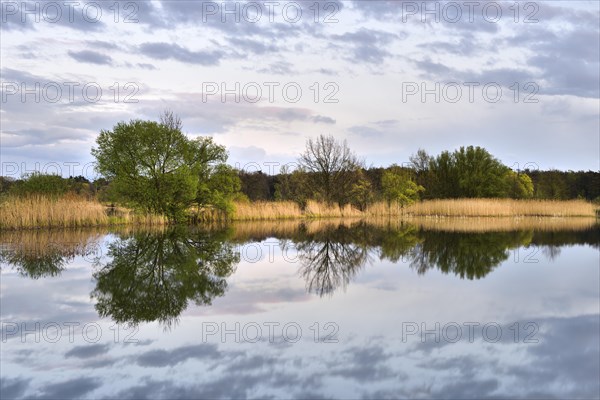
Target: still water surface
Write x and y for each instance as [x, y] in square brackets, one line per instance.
[452, 309]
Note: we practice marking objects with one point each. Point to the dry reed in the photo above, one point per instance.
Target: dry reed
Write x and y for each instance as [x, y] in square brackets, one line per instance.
[43, 212]
[261, 210]
[502, 208]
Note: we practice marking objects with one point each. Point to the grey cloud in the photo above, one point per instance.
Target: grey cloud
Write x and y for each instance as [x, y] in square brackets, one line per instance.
[195, 12]
[323, 119]
[368, 45]
[34, 14]
[429, 67]
[251, 45]
[365, 364]
[236, 387]
[565, 63]
[101, 44]
[210, 115]
[365, 131]
[469, 389]
[465, 45]
[71, 389]
[35, 136]
[162, 358]
[90, 56]
[396, 11]
[278, 68]
[146, 66]
[13, 388]
[165, 51]
[87, 351]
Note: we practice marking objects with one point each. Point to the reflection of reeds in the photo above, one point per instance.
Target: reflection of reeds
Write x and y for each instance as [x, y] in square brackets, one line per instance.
[488, 224]
[39, 242]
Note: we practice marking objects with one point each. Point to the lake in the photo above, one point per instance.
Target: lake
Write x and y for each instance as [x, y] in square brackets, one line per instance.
[469, 308]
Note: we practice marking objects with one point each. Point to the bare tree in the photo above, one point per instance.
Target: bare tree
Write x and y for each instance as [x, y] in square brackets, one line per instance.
[332, 167]
[170, 120]
[420, 161]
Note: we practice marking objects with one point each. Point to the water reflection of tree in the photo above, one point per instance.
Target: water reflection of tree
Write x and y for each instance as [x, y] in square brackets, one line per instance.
[35, 266]
[153, 276]
[41, 254]
[467, 255]
[331, 257]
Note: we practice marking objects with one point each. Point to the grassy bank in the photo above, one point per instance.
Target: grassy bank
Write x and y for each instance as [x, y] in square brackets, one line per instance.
[43, 212]
[430, 208]
[40, 212]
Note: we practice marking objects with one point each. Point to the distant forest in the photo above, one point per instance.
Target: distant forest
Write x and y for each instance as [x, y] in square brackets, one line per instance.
[258, 186]
[549, 185]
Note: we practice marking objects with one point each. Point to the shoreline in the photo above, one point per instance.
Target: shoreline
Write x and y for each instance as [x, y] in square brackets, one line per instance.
[43, 213]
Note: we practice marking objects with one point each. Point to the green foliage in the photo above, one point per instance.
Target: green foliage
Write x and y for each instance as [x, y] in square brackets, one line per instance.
[362, 194]
[397, 187]
[220, 188]
[257, 185]
[153, 277]
[36, 183]
[519, 186]
[155, 167]
[479, 174]
[467, 172]
[292, 186]
[5, 184]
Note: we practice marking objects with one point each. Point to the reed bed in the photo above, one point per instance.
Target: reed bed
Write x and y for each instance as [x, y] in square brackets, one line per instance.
[430, 208]
[263, 210]
[502, 208]
[67, 212]
[42, 212]
[321, 210]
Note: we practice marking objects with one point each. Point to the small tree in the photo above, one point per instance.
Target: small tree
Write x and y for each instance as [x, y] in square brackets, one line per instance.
[398, 188]
[361, 194]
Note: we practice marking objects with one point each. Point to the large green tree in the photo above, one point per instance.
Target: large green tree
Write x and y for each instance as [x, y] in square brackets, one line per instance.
[154, 166]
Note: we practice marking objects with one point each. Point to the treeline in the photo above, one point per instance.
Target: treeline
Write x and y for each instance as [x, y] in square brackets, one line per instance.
[547, 185]
[258, 186]
[153, 167]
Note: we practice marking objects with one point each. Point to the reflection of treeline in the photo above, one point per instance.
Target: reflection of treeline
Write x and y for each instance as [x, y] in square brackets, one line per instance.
[39, 253]
[154, 275]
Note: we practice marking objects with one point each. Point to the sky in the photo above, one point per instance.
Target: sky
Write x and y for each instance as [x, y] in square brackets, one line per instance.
[389, 77]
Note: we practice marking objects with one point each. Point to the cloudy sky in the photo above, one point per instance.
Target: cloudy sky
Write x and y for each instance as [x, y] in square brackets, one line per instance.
[390, 77]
